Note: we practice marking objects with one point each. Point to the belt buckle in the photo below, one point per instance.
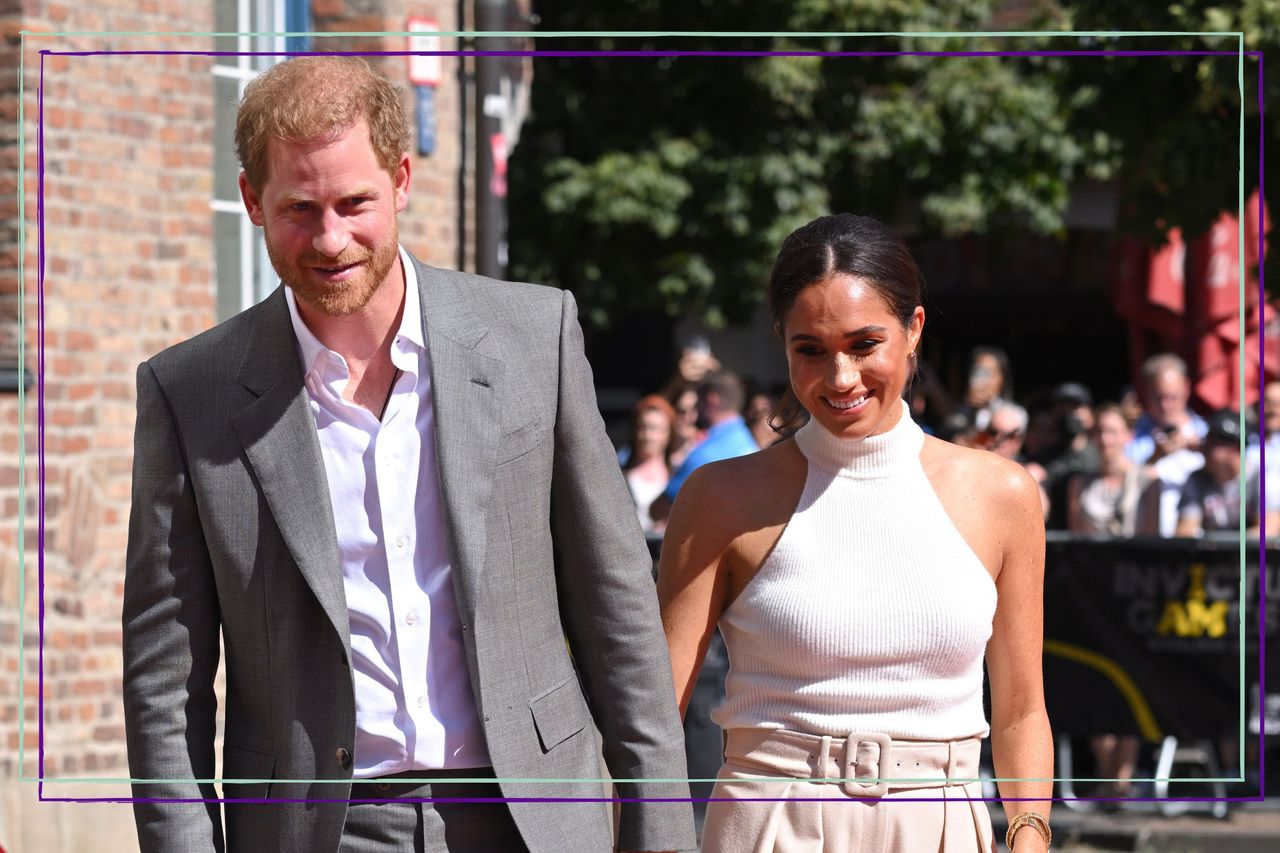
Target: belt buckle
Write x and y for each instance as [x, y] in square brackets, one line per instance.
[866, 756]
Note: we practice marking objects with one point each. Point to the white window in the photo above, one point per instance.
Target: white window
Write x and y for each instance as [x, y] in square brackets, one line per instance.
[244, 273]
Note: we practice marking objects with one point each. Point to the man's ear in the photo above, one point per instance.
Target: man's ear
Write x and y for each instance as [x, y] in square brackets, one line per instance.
[252, 201]
[401, 181]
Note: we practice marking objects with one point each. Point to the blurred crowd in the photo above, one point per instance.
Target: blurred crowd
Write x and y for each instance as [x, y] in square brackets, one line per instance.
[1145, 464]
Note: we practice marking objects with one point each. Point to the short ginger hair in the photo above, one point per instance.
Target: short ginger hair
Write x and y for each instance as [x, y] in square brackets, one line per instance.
[318, 98]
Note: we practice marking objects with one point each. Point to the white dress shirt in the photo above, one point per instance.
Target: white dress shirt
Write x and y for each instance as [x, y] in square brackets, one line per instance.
[414, 706]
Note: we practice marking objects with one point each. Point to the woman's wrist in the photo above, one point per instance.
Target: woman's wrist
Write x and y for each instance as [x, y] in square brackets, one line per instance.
[1028, 832]
[1027, 840]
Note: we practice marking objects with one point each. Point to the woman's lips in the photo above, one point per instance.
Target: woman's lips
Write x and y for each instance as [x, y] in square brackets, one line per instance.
[847, 406]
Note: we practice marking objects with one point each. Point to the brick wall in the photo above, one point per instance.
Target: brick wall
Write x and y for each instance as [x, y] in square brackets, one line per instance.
[129, 270]
[128, 266]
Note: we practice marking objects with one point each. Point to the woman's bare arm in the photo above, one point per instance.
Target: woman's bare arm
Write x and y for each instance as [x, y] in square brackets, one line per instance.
[692, 582]
[1021, 740]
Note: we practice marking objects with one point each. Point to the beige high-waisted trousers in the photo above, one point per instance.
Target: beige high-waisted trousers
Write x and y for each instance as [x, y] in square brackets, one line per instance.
[767, 805]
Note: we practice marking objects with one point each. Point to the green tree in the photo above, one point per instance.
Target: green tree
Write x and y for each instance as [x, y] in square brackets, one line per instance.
[665, 184]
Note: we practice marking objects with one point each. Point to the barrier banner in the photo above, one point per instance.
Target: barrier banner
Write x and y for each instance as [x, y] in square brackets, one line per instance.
[1142, 636]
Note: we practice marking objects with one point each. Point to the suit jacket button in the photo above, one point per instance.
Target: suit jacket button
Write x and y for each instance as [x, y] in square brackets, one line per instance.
[344, 758]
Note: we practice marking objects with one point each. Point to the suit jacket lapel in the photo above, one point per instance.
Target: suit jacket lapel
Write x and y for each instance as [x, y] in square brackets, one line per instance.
[279, 436]
[464, 396]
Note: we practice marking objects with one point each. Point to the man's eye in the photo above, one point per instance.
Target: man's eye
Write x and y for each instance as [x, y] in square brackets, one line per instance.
[300, 206]
[808, 351]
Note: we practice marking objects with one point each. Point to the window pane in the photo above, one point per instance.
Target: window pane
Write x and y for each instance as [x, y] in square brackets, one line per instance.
[226, 236]
[265, 20]
[225, 20]
[226, 168]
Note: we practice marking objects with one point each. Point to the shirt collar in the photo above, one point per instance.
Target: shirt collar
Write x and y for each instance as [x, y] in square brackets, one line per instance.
[313, 352]
[411, 318]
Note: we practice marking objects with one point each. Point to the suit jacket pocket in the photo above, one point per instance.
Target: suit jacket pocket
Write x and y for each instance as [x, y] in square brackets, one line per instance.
[519, 441]
[559, 713]
[241, 763]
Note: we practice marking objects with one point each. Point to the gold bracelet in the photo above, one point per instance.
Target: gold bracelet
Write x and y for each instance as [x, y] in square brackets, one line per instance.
[1036, 821]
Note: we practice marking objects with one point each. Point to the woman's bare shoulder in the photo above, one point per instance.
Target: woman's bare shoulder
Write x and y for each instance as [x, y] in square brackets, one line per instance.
[1001, 484]
[732, 492]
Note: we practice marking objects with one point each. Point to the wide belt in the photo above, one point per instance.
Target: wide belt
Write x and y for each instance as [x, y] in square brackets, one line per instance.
[863, 764]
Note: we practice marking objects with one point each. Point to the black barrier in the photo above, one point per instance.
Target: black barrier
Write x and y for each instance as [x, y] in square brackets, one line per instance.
[1142, 636]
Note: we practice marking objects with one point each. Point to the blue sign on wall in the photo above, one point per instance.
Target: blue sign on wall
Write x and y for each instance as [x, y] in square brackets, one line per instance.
[426, 97]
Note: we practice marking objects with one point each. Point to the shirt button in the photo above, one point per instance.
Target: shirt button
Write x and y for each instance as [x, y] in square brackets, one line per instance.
[402, 540]
[344, 758]
[411, 617]
[422, 701]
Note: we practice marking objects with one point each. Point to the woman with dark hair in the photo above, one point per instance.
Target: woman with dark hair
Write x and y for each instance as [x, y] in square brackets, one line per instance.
[990, 384]
[682, 396]
[858, 572]
[647, 466]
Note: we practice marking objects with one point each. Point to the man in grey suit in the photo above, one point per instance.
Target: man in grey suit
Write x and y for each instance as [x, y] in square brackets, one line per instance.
[389, 492]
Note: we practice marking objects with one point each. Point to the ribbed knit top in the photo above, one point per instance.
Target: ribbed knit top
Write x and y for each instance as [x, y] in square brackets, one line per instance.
[871, 614]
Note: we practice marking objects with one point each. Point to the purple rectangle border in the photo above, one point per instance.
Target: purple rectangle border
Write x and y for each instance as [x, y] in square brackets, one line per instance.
[40, 268]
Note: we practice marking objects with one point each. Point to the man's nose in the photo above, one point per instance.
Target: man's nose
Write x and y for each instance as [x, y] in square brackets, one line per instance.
[332, 238]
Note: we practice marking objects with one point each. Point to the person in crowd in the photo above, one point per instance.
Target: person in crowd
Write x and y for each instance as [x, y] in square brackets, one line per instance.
[1268, 462]
[696, 361]
[1168, 435]
[1005, 431]
[386, 492]
[1167, 425]
[693, 365]
[858, 572]
[687, 434]
[720, 399]
[645, 464]
[1211, 499]
[1004, 436]
[1118, 498]
[1071, 409]
[990, 383]
[758, 414]
[1044, 432]
[1130, 403]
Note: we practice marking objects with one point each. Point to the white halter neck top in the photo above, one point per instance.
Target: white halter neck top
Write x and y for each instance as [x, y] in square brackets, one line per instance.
[872, 613]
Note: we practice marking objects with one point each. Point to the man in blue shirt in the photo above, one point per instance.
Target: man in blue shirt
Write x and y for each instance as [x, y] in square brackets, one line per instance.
[720, 401]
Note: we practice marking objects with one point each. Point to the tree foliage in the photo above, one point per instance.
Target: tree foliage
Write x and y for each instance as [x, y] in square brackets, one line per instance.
[1174, 122]
[667, 183]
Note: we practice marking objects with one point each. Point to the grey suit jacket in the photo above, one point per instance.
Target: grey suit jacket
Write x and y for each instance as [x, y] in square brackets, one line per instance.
[232, 533]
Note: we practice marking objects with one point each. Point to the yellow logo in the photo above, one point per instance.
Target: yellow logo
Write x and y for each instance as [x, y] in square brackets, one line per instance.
[1194, 617]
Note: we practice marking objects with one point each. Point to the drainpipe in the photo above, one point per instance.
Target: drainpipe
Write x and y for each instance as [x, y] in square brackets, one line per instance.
[490, 16]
